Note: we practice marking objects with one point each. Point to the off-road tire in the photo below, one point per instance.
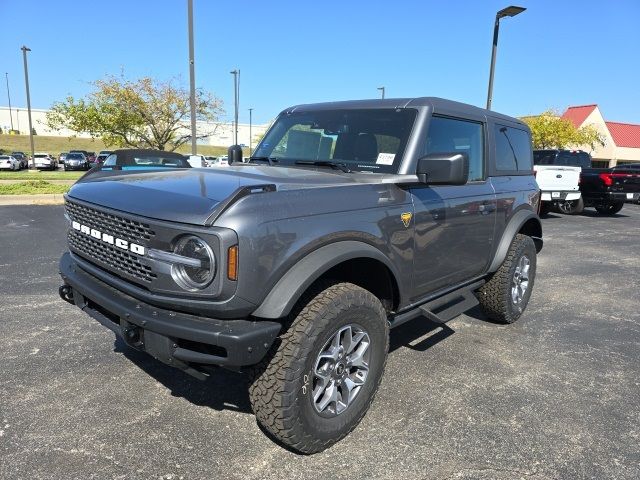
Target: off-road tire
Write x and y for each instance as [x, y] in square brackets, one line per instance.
[495, 295]
[609, 208]
[280, 387]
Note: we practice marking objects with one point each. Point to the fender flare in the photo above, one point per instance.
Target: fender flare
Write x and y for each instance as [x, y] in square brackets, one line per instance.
[513, 227]
[286, 292]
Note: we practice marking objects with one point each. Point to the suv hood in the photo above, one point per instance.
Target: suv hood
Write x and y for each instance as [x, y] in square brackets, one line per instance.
[192, 195]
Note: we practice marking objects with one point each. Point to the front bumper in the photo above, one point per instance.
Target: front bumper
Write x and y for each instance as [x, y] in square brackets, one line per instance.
[175, 338]
[560, 196]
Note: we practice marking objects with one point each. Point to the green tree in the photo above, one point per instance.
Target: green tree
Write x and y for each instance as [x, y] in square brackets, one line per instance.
[549, 130]
[142, 113]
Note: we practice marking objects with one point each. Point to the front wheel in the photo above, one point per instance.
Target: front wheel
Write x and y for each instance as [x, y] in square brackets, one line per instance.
[505, 296]
[610, 208]
[320, 378]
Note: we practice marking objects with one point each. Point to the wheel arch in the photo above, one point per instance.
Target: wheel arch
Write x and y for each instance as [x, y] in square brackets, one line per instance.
[350, 261]
[525, 222]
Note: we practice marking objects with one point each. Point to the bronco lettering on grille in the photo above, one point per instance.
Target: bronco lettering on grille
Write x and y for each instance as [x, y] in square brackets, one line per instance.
[110, 239]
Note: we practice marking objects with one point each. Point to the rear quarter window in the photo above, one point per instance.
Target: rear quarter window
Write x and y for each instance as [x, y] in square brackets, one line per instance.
[513, 150]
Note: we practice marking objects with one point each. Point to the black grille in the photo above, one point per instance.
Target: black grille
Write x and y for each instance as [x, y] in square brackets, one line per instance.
[108, 256]
[117, 260]
[120, 227]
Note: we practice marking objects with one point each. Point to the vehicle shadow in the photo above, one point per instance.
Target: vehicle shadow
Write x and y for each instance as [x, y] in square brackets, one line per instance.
[223, 390]
[594, 213]
[421, 328]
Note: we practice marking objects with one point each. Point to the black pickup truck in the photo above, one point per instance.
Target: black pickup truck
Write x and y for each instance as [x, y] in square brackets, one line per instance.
[607, 189]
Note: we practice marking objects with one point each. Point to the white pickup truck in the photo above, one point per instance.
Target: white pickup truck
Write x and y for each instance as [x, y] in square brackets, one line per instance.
[558, 175]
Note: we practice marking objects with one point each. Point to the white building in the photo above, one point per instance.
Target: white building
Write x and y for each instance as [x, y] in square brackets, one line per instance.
[220, 134]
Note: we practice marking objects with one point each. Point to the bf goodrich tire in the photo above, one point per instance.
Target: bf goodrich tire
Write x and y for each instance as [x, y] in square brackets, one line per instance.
[505, 296]
[320, 378]
[610, 208]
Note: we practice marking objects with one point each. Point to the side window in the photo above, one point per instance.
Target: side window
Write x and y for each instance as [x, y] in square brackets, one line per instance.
[513, 150]
[111, 160]
[450, 135]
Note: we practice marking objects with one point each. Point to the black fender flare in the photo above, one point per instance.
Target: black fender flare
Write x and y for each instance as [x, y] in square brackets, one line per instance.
[513, 227]
[286, 292]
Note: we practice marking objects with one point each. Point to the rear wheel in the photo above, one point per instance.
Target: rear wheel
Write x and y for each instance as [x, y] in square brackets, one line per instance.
[610, 208]
[320, 378]
[505, 296]
[571, 207]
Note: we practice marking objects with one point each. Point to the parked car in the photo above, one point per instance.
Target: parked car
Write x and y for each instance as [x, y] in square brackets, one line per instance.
[558, 175]
[217, 161]
[76, 161]
[9, 162]
[62, 157]
[102, 156]
[607, 189]
[143, 159]
[22, 158]
[44, 161]
[351, 218]
[197, 161]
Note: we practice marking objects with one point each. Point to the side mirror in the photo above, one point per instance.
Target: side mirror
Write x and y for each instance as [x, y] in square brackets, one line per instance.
[234, 153]
[443, 168]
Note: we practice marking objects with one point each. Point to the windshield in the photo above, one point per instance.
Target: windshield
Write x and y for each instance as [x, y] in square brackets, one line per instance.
[75, 156]
[371, 140]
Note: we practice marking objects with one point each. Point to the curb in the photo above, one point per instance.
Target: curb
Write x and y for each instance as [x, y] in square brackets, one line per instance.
[38, 199]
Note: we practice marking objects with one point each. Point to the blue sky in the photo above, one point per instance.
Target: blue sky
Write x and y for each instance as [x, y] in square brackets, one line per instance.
[555, 54]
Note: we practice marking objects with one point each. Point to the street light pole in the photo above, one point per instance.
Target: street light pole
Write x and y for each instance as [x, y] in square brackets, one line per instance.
[250, 125]
[6, 76]
[26, 82]
[511, 11]
[382, 90]
[236, 102]
[192, 80]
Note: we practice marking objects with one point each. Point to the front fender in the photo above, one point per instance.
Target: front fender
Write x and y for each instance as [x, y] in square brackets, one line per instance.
[286, 292]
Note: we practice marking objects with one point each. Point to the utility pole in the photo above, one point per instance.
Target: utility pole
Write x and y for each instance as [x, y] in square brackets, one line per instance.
[192, 81]
[250, 124]
[381, 90]
[26, 82]
[6, 75]
[236, 103]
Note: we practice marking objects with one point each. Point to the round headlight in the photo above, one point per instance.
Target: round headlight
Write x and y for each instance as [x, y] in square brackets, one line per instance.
[194, 277]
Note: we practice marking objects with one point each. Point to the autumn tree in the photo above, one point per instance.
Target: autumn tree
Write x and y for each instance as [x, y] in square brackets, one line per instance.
[549, 130]
[142, 113]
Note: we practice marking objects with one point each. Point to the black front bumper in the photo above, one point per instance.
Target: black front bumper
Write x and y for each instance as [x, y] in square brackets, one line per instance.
[178, 339]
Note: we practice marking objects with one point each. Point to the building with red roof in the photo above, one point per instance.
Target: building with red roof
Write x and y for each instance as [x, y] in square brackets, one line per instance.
[622, 140]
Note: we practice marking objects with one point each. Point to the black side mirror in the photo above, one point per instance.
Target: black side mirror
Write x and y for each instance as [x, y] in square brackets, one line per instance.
[443, 168]
[234, 153]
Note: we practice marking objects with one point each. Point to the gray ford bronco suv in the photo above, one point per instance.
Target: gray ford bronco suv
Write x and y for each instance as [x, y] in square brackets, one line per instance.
[350, 219]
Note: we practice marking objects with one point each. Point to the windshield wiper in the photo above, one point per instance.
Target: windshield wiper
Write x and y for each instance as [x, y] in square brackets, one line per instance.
[325, 163]
[269, 160]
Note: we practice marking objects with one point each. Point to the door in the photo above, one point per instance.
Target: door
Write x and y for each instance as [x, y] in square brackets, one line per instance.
[454, 225]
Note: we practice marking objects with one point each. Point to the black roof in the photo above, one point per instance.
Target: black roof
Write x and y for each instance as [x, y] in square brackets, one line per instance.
[436, 103]
[132, 152]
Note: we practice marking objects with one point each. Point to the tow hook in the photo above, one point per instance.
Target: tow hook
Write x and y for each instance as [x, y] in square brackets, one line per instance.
[66, 293]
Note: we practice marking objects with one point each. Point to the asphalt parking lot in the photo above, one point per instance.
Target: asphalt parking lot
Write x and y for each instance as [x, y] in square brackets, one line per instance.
[554, 396]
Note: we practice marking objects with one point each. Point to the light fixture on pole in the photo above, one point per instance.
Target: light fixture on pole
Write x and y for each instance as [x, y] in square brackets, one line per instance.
[236, 102]
[26, 82]
[192, 80]
[382, 91]
[511, 11]
[6, 76]
[250, 125]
